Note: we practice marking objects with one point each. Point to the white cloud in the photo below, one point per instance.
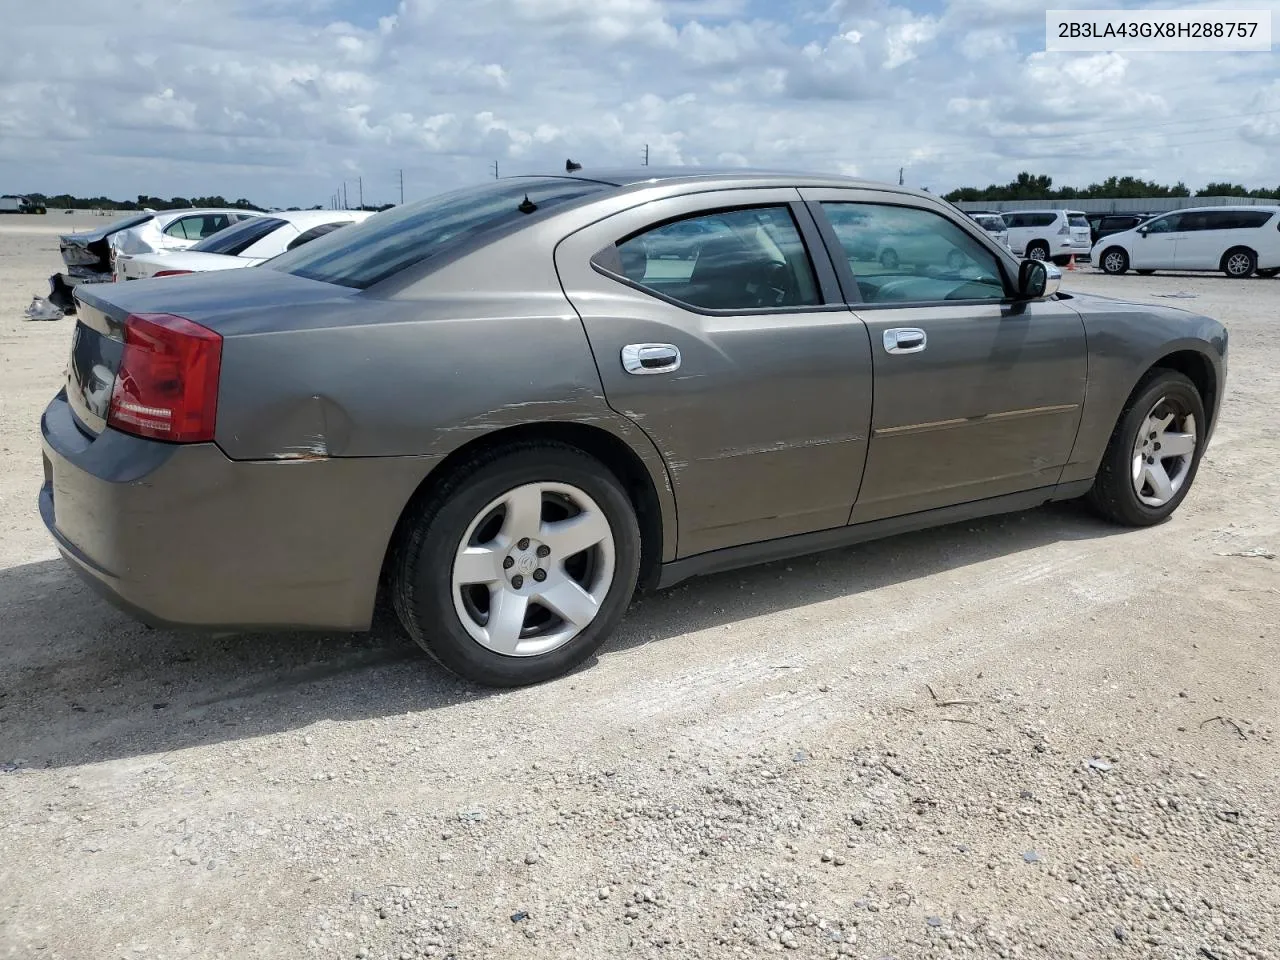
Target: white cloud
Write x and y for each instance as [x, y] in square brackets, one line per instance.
[282, 100]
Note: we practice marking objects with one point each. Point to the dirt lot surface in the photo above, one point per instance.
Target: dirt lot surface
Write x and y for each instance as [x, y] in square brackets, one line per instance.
[1034, 736]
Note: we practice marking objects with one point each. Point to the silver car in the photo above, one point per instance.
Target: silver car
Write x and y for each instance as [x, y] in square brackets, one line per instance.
[507, 408]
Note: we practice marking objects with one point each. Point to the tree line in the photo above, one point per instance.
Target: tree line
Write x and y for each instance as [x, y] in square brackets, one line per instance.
[1027, 186]
[65, 201]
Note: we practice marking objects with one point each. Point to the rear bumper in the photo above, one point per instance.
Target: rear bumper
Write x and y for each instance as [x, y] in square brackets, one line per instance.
[183, 536]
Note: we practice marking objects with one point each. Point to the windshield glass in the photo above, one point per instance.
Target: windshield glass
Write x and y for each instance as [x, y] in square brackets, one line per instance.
[362, 254]
[235, 240]
[1078, 220]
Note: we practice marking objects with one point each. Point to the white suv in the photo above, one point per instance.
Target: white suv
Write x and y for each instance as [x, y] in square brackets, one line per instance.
[1055, 235]
[1239, 241]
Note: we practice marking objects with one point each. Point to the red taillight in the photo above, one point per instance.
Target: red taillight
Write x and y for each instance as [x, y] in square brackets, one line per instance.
[167, 384]
[170, 273]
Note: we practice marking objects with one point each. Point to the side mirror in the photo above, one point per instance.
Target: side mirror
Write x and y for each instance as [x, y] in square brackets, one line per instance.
[1038, 279]
[1143, 231]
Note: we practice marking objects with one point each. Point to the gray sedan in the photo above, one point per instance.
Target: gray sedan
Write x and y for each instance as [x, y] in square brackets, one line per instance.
[508, 409]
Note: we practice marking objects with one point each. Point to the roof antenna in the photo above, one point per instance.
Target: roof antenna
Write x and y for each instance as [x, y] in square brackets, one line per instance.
[570, 166]
[527, 205]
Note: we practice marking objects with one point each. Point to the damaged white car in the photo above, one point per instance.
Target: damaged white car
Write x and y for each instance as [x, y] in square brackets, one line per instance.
[242, 245]
[88, 255]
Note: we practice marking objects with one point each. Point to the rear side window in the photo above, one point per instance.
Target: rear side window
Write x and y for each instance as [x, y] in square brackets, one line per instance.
[746, 259]
[396, 239]
[233, 241]
[1235, 219]
[1043, 219]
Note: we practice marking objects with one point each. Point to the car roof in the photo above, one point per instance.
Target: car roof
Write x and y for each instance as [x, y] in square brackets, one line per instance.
[305, 219]
[1270, 208]
[626, 177]
[167, 216]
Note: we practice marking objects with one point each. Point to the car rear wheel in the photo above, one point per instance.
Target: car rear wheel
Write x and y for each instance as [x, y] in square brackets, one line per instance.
[519, 566]
[1238, 264]
[1115, 261]
[1154, 452]
[1038, 251]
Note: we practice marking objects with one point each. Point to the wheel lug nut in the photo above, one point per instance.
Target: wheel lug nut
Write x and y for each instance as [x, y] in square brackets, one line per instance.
[544, 551]
[539, 575]
[1157, 446]
[508, 563]
[517, 581]
[1151, 459]
[524, 541]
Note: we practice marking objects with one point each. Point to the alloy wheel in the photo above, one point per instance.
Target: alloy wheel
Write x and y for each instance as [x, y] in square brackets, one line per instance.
[533, 569]
[1114, 262]
[1163, 452]
[1239, 264]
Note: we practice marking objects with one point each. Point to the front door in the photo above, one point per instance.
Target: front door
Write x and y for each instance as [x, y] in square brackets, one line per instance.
[718, 329]
[1155, 246]
[976, 395]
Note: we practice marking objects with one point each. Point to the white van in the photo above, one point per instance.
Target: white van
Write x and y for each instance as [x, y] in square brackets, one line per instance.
[1239, 241]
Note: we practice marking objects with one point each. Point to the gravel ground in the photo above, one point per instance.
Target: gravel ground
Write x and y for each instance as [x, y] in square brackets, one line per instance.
[1033, 736]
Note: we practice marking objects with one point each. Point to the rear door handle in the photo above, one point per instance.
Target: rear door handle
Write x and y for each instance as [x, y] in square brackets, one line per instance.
[905, 340]
[645, 358]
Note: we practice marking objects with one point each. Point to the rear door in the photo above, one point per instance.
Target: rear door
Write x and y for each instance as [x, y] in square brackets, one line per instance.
[1154, 246]
[727, 342]
[976, 395]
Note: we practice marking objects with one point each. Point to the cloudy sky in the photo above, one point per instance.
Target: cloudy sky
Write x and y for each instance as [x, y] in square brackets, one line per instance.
[280, 100]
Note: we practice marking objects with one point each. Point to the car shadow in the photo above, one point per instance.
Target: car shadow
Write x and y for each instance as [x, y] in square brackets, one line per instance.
[82, 683]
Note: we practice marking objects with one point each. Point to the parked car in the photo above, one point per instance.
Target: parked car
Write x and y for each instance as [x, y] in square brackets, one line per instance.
[88, 254]
[994, 224]
[1105, 224]
[11, 203]
[247, 243]
[1055, 235]
[490, 405]
[1239, 241]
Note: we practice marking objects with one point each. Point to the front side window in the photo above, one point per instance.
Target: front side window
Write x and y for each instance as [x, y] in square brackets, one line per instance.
[746, 259]
[919, 255]
[1168, 224]
[396, 239]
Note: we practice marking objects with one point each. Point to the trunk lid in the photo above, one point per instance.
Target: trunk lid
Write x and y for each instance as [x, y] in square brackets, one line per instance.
[251, 300]
[92, 248]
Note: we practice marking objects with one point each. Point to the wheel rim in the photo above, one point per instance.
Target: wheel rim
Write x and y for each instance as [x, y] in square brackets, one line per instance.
[1238, 264]
[1114, 262]
[533, 569]
[1163, 452]
[1036, 253]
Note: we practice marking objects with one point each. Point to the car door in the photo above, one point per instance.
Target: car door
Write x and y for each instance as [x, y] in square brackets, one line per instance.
[741, 363]
[1154, 245]
[976, 395]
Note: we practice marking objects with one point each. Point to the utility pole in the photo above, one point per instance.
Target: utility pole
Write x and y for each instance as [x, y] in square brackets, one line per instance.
[402, 187]
[495, 169]
[900, 169]
[344, 196]
[646, 154]
[360, 181]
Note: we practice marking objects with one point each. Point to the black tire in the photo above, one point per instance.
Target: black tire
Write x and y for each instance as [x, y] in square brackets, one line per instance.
[1269, 272]
[1239, 263]
[889, 259]
[1144, 273]
[1113, 495]
[1114, 261]
[1039, 250]
[422, 567]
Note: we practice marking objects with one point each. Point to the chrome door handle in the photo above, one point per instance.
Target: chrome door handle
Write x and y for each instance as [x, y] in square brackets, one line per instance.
[644, 358]
[905, 340]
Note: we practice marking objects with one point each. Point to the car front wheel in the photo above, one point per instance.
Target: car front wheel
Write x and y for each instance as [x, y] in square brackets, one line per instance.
[1153, 453]
[1038, 251]
[519, 566]
[1115, 261]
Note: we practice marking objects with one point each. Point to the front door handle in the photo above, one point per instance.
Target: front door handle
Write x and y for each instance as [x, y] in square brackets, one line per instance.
[905, 340]
[644, 358]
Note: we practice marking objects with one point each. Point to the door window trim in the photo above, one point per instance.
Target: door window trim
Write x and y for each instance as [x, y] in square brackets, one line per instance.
[849, 282]
[607, 262]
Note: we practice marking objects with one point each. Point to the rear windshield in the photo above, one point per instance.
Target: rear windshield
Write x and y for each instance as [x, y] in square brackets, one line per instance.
[990, 223]
[1078, 220]
[234, 241]
[365, 253]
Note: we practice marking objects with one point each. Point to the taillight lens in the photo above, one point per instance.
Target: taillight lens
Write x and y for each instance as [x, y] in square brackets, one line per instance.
[167, 385]
[170, 273]
[1064, 230]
